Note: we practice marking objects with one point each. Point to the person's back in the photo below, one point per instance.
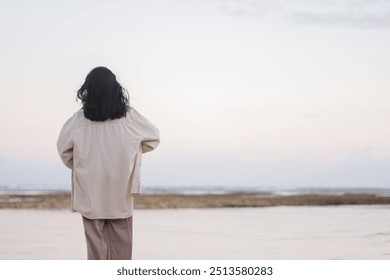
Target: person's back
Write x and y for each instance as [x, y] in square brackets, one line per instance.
[103, 143]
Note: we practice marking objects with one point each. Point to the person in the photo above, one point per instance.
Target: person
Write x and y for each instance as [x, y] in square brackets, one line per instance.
[102, 144]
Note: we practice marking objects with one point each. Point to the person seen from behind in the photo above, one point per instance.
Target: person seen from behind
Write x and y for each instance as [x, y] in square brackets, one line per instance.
[102, 144]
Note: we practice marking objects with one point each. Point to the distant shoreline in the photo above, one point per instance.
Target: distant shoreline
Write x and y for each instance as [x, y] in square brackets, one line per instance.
[61, 200]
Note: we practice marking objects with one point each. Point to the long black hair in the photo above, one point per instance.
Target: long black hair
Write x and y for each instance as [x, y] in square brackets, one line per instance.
[102, 96]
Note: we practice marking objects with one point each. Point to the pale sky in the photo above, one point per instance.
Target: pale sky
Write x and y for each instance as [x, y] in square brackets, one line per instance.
[252, 93]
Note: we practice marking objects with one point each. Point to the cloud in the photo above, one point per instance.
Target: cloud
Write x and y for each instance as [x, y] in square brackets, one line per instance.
[359, 20]
[32, 172]
[348, 13]
[358, 169]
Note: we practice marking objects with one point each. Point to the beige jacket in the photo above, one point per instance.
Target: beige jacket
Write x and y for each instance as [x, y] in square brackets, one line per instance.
[105, 158]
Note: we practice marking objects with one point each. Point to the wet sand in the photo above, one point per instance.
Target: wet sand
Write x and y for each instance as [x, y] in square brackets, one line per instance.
[283, 232]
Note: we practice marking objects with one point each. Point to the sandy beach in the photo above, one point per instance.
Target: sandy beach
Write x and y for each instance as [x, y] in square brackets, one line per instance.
[61, 200]
[283, 232]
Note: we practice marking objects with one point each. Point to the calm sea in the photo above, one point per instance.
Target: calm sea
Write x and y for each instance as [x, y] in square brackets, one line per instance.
[281, 190]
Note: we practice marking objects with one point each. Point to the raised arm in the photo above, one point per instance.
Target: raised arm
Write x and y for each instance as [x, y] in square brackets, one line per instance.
[150, 134]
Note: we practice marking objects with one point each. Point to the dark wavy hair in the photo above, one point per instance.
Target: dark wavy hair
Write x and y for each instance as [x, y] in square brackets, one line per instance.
[102, 96]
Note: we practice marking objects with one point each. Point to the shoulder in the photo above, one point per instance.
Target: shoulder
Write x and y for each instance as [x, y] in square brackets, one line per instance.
[133, 115]
[75, 121]
[133, 112]
[137, 116]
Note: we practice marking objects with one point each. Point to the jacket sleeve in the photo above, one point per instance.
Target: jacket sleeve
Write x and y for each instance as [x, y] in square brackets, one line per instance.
[65, 144]
[136, 173]
[149, 133]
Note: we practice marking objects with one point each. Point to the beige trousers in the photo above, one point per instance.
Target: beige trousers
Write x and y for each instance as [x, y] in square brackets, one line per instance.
[109, 239]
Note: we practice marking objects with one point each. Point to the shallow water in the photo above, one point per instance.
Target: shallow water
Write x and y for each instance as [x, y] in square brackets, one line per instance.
[343, 232]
